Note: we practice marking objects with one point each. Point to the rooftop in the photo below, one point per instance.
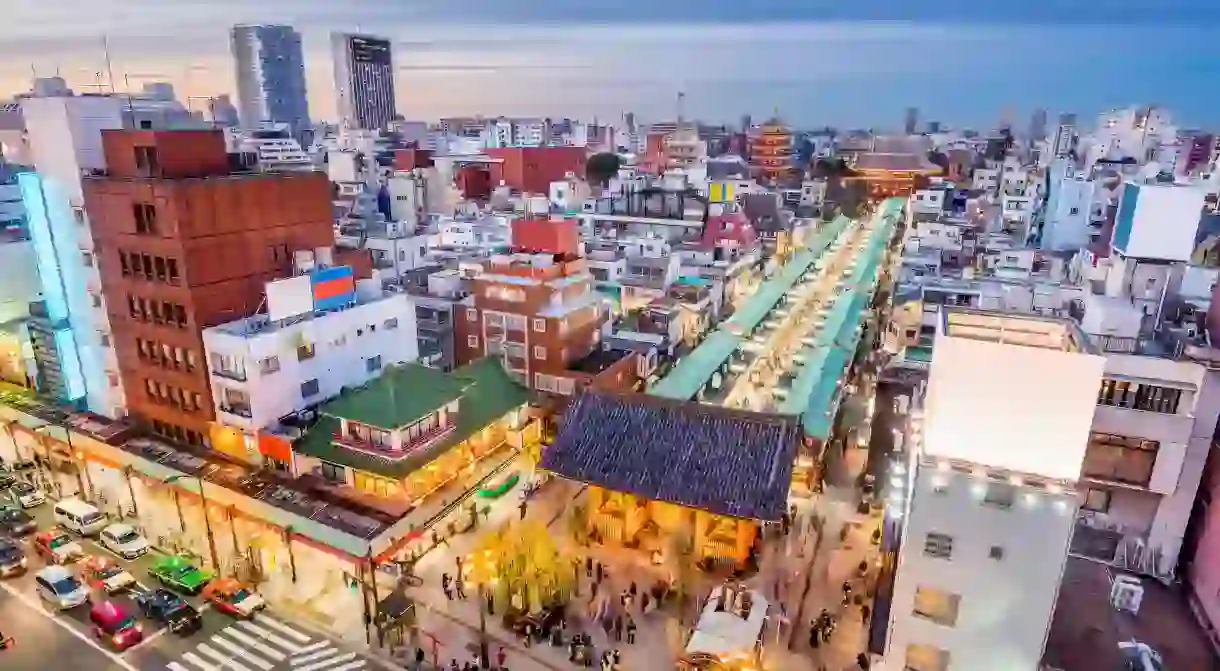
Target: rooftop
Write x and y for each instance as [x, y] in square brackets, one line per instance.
[1008, 328]
[728, 462]
[401, 395]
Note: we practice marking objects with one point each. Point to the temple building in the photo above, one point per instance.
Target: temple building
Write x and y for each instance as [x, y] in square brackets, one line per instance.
[666, 474]
[771, 151]
[893, 167]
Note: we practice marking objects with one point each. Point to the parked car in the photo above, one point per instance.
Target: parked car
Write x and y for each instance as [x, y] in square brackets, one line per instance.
[16, 522]
[26, 495]
[6, 481]
[112, 623]
[12, 558]
[163, 606]
[123, 540]
[180, 574]
[60, 588]
[234, 597]
[57, 547]
[106, 575]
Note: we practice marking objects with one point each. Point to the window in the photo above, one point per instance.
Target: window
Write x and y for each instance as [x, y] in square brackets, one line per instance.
[1000, 495]
[87, 258]
[996, 552]
[180, 315]
[1074, 211]
[925, 658]
[309, 388]
[540, 352]
[1138, 396]
[540, 326]
[146, 160]
[1120, 459]
[95, 300]
[305, 351]
[391, 323]
[172, 268]
[269, 365]
[1096, 500]
[472, 341]
[938, 545]
[372, 364]
[936, 605]
[145, 215]
[159, 266]
[333, 472]
[123, 263]
[472, 315]
[105, 339]
[78, 213]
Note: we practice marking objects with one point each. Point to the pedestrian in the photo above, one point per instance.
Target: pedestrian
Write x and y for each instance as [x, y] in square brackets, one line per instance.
[618, 628]
[601, 572]
[458, 560]
[644, 603]
[453, 665]
[436, 541]
[616, 658]
[862, 661]
[446, 580]
[864, 613]
[815, 637]
[524, 507]
[461, 589]
[529, 634]
[588, 567]
[501, 655]
[593, 588]
[630, 631]
[634, 590]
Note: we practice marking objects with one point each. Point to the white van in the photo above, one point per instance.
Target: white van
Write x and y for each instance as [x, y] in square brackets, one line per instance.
[80, 517]
[61, 588]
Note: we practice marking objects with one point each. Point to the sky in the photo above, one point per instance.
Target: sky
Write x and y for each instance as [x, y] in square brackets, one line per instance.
[816, 62]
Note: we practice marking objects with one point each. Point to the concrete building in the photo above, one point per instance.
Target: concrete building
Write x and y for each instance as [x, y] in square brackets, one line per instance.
[1071, 206]
[223, 112]
[269, 66]
[69, 325]
[265, 367]
[970, 591]
[364, 80]
[187, 244]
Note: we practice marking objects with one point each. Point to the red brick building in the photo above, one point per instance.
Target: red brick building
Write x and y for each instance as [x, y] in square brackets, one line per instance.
[532, 169]
[183, 243]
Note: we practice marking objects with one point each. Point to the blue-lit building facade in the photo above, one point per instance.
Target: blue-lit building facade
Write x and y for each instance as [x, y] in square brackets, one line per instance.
[270, 75]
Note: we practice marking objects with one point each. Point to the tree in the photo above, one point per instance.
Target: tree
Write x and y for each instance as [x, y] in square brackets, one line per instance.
[601, 167]
[522, 564]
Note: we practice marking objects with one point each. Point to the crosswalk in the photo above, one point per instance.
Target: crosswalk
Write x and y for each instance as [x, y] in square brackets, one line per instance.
[265, 644]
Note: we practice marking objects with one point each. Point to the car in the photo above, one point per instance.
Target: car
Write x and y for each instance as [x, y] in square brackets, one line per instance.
[6, 481]
[233, 597]
[60, 588]
[16, 522]
[112, 623]
[123, 540]
[163, 606]
[180, 574]
[57, 547]
[26, 495]
[12, 558]
[497, 488]
[106, 575]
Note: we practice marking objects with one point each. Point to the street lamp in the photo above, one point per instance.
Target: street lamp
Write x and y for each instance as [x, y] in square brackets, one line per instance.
[76, 458]
[207, 523]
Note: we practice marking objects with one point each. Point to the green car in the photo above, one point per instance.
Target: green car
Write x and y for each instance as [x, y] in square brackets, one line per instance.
[178, 573]
[497, 489]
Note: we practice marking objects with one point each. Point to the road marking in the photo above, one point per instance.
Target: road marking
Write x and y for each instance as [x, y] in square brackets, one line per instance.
[194, 659]
[268, 636]
[150, 638]
[222, 658]
[305, 659]
[283, 628]
[311, 647]
[175, 666]
[325, 663]
[359, 663]
[250, 641]
[37, 607]
[239, 651]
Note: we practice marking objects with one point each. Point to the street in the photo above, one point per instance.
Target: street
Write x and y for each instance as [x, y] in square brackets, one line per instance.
[51, 640]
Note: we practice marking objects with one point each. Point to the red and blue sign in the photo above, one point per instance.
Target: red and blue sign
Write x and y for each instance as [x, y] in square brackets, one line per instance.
[333, 288]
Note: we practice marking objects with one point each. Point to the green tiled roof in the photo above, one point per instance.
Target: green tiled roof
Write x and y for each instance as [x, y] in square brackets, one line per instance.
[488, 394]
[400, 396]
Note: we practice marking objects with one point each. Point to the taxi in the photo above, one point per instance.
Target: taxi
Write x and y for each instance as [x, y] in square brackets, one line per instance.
[234, 597]
[106, 575]
[111, 623]
[57, 547]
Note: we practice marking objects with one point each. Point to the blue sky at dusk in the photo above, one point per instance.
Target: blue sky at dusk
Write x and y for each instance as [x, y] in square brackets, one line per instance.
[839, 63]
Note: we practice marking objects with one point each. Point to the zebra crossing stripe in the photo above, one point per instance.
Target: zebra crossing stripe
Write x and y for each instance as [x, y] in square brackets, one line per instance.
[238, 651]
[305, 659]
[268, 636]
[220, 657]
[283, 629]
[194, 659]
[326, 663]
[310, 648]
[350, 666]
[175, 666]
[253, 643]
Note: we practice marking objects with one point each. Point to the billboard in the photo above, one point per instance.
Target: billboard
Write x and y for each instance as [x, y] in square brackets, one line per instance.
[333, 287]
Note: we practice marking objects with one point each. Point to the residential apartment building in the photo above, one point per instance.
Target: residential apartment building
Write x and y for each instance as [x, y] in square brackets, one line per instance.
[184, 244]
[269, 66]
[364, 80]
[265, 367]
[992, 462]
[536, 309]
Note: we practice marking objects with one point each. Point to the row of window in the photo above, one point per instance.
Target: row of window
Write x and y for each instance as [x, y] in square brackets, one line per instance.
[150, 267]
[1139, 396]
[166, 356]
[940, 546]
[167, 394]
[306, 351]
[145, 215]
[175, 432]
[157, 312]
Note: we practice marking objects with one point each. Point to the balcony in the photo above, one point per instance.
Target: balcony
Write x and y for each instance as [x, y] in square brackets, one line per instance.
[415, 444]
[239, 409]
[234, 375]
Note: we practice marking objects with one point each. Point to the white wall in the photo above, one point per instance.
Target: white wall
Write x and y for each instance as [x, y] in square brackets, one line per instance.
[1165, 222]
[339, 360]
[1026, 409]
[1006, 605]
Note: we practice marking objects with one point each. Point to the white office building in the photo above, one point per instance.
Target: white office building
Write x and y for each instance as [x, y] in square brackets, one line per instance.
[988, 499]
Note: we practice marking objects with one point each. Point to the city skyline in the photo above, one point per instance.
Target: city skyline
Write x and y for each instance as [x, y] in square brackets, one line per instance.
[817, 67]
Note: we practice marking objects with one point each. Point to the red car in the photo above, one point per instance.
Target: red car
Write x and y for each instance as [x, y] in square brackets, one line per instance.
[58, 547]
[112, 624]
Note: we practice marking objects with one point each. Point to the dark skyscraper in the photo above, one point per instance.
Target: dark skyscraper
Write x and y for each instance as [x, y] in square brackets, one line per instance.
[912, 120]
[1037, 125]
[270, 73]
[364, 80]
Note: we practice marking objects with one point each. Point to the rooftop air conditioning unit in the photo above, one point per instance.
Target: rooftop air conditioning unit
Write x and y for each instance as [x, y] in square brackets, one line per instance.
[1126, 594]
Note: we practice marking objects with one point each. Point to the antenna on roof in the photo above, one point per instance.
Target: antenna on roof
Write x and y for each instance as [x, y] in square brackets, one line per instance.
[109, 67]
